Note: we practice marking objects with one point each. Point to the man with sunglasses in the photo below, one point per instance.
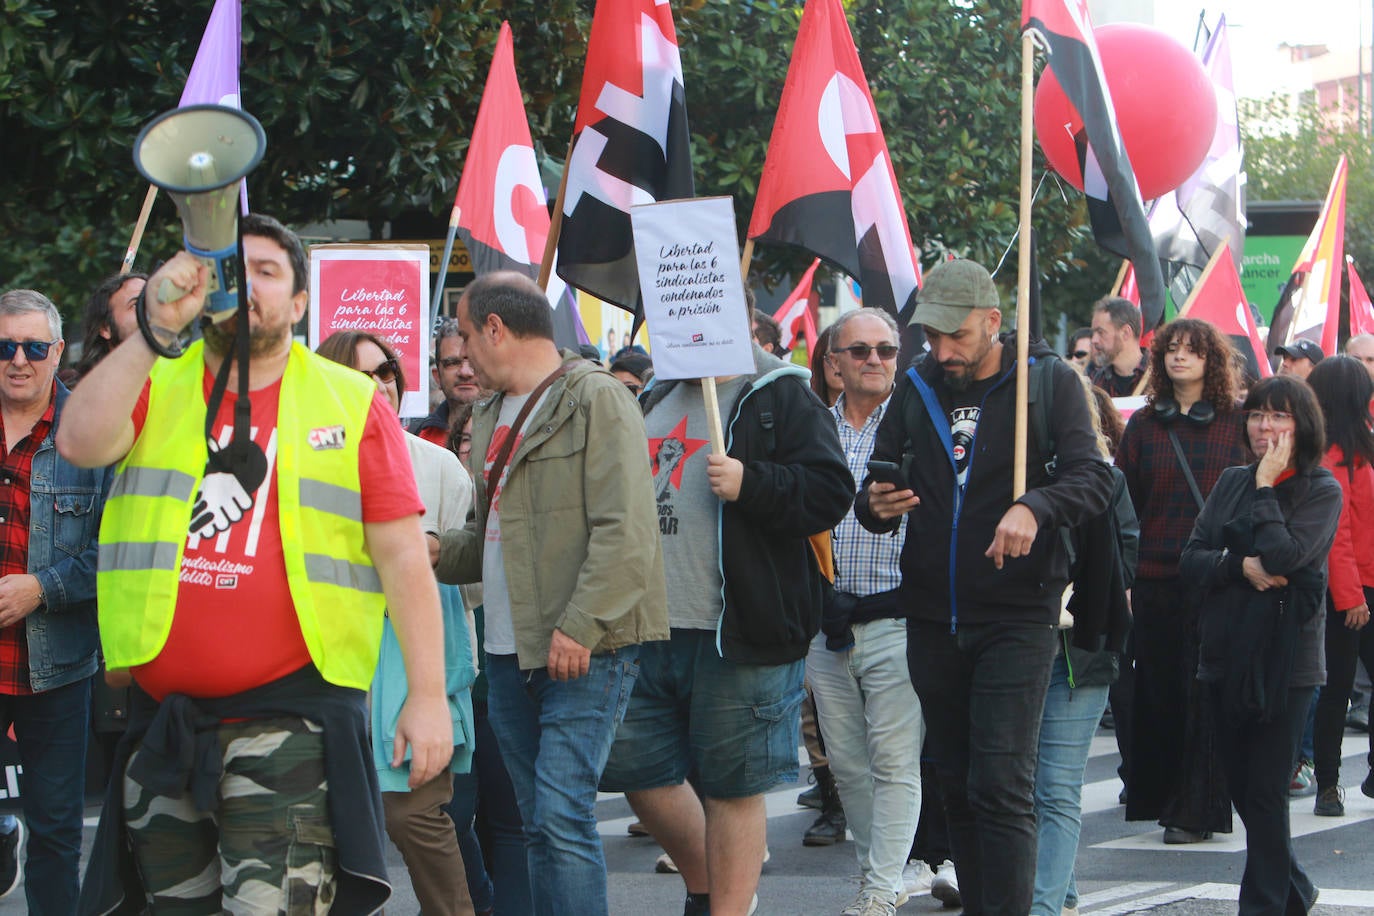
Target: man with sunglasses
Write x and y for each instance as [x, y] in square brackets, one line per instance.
[1081, 349]
[722, 697]
[49, 516]
[456, 380]
[253, 632]
[983, 575]
[857, 668]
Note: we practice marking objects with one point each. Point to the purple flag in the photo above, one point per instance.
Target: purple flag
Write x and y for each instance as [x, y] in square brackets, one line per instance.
[214, 78]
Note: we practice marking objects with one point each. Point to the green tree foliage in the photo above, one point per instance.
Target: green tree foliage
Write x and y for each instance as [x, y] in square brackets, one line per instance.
[368, 108]
[1291, 151]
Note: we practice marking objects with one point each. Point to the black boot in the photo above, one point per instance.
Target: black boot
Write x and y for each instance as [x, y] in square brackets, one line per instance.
[829, 827]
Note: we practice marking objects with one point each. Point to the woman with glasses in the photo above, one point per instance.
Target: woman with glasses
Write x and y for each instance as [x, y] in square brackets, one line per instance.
[1343, 389]
[416, 820]
[1259, 551]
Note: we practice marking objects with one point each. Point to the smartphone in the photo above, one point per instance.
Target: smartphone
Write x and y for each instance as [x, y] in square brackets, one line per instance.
[888, 472]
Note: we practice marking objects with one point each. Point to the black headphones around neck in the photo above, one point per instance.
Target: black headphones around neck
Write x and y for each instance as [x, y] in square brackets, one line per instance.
[1201, 413]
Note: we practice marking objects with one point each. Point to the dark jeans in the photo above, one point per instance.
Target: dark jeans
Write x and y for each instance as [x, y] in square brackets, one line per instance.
[1344, 649]
[51, 729]
[932, 830]
[494, 844]
[1121, 696]
[983, 693]
[1259, 760]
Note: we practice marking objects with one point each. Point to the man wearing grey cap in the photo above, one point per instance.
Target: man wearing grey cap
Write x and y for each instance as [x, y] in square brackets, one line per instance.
[983, 575]
[1299, 357]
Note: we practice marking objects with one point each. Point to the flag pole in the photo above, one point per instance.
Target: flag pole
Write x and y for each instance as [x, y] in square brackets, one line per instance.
[1018, 479]
[1120, 277]
[555, 223]
[137, 238]
[745, 260]
[1200, 282]
[443, 264]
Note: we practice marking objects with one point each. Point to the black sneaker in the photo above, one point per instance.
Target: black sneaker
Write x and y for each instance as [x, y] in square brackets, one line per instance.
[697, 905]
[11, 869]
[1367, 787]
[1330, 802]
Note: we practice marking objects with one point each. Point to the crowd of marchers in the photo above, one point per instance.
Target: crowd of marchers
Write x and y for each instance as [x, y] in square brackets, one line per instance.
[323, 628]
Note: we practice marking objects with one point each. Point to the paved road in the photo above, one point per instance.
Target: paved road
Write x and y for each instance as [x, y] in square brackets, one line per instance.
[1122, 868]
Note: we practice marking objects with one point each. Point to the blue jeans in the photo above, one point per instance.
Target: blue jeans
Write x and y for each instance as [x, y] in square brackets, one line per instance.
[873, 729]
[982, 691]
[51, 729]
[1066, 734]
[555, 737]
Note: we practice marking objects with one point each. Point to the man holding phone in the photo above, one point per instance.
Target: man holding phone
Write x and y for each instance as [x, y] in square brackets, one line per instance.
[857, 666]
[982, 575]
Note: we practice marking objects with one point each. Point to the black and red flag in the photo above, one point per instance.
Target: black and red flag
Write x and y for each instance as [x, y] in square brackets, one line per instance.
[502, 209]
[1114, 204]
[630, 145]
[828, 184]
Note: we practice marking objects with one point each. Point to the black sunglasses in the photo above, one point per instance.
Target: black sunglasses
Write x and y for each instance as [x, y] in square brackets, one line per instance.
[385, 372]
[860, 351]
[1080, 354]
[34, 350]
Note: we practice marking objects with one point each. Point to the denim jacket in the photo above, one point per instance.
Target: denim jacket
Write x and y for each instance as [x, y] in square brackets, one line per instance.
[65, 503]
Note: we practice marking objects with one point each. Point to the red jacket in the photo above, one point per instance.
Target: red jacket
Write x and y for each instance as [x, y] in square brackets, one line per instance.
[1351, 563]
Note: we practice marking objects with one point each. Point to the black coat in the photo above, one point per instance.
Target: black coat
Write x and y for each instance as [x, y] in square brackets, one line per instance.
[1248, 637]
[796, 483]
[948, 525]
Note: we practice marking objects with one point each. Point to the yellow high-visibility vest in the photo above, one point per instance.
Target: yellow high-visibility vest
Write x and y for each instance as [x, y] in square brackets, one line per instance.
[335, 588]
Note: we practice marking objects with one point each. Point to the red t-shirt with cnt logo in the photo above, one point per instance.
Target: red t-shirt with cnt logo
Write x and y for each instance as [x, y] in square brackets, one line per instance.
[235, 626]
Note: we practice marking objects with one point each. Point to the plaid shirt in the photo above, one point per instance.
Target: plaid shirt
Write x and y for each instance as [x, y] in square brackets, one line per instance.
[16, 465]
[865, 563]
[1158, 488]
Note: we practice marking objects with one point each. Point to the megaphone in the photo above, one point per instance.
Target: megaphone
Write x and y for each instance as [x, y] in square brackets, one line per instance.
[199, 154]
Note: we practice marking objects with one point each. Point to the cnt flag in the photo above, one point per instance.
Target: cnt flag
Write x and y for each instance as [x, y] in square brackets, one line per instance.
[503, 215]
[1114, 205]
[798, 312]
[828, 184]
[1361, 310]
[630, 145]
[1311, 303]
[1219, 298]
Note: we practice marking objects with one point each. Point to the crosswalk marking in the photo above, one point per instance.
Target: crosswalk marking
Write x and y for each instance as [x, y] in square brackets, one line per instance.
[1117, 903]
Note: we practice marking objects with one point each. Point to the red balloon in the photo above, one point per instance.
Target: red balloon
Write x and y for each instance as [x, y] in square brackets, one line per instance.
[1166, 108]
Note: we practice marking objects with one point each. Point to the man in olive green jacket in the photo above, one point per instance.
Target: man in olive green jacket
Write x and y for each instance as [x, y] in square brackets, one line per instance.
[565, 542]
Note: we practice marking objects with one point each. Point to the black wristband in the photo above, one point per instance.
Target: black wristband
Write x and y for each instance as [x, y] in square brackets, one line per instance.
[171, 350]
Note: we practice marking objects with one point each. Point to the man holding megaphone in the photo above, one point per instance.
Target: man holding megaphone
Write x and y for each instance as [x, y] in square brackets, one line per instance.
[252, 632]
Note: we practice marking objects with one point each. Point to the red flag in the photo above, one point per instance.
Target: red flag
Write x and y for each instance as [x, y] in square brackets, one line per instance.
[630, 145]
[797, 314]
[1219, 298]
[1312, 304]
[1114, 205]
[828, 184]
[503, 214]
[1361, 310]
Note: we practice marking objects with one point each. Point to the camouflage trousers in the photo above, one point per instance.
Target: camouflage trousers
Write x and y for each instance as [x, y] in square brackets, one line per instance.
[268, 848]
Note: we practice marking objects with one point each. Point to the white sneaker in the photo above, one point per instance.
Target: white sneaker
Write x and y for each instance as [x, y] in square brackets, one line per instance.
[945, 886]
[870, 903]
[916, 879]
[1069, 911]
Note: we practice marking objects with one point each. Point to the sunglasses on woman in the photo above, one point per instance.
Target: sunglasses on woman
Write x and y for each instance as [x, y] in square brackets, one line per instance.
[34, 350]
[385, 371]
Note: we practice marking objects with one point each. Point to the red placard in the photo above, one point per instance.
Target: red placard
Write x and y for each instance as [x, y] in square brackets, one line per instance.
[382, 291]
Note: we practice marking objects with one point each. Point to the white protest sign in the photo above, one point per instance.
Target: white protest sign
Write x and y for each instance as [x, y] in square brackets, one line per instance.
[694, 305]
